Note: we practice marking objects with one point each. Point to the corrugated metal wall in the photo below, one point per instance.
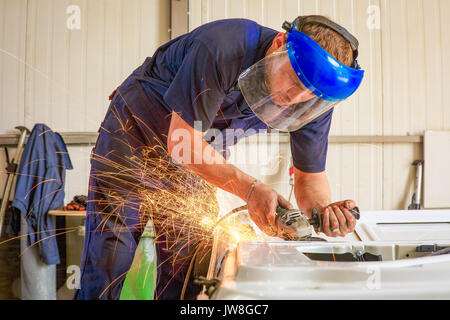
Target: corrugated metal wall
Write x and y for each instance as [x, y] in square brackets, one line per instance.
[72, 72]
[415, 83]
[405, 92]
[62, 76]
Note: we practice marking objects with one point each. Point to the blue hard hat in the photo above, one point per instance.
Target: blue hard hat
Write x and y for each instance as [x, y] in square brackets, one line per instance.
[320, 72]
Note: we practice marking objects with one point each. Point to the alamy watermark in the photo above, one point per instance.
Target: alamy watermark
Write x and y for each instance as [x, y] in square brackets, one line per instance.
[374, 19]
[73, 280]
[73, 22]
[373, 281]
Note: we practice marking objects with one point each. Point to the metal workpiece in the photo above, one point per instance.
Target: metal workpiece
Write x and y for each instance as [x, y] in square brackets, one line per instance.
[389, 261]
[291, 270]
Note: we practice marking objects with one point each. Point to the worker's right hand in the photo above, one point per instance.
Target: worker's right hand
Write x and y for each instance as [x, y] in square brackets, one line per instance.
[337, 219]
[262, 205]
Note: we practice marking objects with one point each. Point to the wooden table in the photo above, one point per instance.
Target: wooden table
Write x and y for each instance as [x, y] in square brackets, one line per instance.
[67, 213]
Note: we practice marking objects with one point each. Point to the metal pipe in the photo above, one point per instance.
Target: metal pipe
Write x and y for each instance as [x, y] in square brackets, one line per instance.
[417, 196]
[12, 167]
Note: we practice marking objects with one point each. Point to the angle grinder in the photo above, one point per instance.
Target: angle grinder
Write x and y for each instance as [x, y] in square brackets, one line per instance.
[294, 225]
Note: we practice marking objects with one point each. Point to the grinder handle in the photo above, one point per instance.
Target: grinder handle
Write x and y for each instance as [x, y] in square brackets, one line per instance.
[317, 219]
[281, 210]
[355, 212]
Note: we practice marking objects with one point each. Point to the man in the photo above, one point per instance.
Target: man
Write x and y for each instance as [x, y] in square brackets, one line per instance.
[228, 74]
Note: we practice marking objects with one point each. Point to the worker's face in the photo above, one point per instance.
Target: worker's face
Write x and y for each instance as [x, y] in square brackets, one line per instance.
[275, 94]
[283, 84]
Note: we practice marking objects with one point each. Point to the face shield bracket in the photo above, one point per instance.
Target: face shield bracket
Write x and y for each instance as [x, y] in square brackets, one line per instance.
[300, 22]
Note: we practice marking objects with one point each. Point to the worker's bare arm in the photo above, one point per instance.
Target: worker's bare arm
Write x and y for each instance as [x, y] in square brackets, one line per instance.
[214, 168]
[263, 200]
[312, 190]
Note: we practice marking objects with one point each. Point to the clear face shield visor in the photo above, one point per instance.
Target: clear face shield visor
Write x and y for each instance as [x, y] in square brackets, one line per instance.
[276, 95]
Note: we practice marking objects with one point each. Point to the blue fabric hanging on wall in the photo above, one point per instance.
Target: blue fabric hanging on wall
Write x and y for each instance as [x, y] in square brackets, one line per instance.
[40, 188]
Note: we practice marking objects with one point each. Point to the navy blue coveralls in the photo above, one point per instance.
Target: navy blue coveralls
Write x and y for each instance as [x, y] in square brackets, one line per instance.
[193, 75]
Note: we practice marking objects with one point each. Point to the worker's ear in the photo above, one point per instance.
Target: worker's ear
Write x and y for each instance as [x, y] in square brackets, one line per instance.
[278, 42]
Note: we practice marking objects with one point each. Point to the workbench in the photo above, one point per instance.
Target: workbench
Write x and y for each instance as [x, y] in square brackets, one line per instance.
[67, 213]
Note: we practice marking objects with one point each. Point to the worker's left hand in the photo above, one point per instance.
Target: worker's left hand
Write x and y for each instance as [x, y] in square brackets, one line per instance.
[337, 219]
[262, 206]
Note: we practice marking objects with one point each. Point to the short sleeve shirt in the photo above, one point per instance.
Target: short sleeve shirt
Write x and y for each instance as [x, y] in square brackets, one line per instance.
[195, 76]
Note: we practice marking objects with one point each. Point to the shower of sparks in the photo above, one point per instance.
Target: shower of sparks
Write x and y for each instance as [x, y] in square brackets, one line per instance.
[182, 207]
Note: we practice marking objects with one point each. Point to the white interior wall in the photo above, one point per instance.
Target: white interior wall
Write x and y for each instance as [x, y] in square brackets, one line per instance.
[12, 63]
[62, 77]
[405, 91]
